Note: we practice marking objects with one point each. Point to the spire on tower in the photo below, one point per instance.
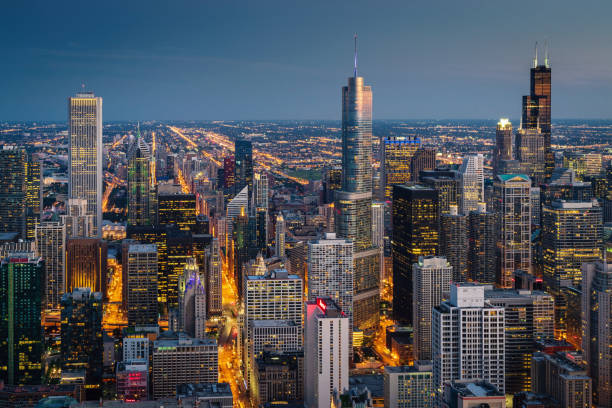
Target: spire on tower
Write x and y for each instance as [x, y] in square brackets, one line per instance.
[138, 134]
[546, 61]
[535, 56]
[355, 68]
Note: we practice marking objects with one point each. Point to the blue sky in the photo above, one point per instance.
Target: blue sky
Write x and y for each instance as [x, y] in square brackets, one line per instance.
[271, 59]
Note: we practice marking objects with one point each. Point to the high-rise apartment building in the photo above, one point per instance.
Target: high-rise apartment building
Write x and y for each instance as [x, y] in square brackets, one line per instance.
[513, 207]
[482, 251]
[279, 240]
[503, 145]
[139, 183]
[396, 158]
[596, 333]
[468, 339]
[214, 293]
[415, 234]
[243, 171]
[13, 190]
[454, 242]
[327, 351]
[471, 176]
[33, 196]
[141, 285]
[82, 346]
[192, 301]
[260, 191]
[564, 377]
[432, 277]
[409, 386]
[529, 316]
[85, 154]
[51, 246]
[229, 165]
[21, 340]
[331, 183]
[330, 271]
[86, 264]
[180, 359]
[354, 201]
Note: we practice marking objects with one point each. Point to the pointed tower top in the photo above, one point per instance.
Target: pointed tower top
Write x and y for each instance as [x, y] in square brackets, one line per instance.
[535, 56]
[546, 60]
[355, 68]
[138, 131]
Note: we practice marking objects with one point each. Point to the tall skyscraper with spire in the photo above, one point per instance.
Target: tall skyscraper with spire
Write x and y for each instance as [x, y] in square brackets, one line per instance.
[354, 200]
[85, 154]
[139, 182]
[536, 107]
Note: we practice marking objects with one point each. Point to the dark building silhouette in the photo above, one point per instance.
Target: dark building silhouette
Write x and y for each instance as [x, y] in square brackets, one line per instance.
[86, 264]
[243, 170]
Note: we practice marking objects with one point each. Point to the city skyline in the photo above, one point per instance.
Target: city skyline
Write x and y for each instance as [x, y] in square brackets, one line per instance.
[200, 70]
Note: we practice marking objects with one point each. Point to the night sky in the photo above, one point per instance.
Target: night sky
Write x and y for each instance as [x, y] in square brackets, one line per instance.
[265, 59]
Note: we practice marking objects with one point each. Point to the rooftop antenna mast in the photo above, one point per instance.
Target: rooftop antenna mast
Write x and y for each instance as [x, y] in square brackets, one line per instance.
[546, 60]
[535, 57]
[355, 68]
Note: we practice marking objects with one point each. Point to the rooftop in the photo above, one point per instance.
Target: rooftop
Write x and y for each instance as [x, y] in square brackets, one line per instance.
[476, 389]
[273, 323]
[203, 390]
[142, 248]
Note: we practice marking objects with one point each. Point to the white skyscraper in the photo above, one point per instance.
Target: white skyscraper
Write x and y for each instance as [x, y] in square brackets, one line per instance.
[192, 301]
[330, 271]
[237, 205]
[280, 235]
[431, 276]
[85, 154]
[260, 191]
[471, 175]
[51, 247]
[326, 356]
[79, 224]
[468, 338]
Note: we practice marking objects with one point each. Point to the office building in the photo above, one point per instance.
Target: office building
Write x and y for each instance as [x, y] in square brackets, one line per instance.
[51, 246]
[396, 157]
[482, 248]
[132, 381]
[279, 377]
[81, 345]
[409, 386]
[503, 145]
[572, 234]
[379, 211]
[280, 236]
[192, 301]
[78, 222]
[536, 208]
[13, 190]
[536, 108]
[327, 351]
[596, 335]
[178, 209]
[564, 377]
[260, 191]
[86, 264]
[141, 285]
[432, 277]
[214, 293]
[424, 159]
[471, 176]
[241, 244]
[139, 183]
[217, 395]
[448, 186]
[454, 242]
[33, 195]
[529, 317]
[468, 339]
[179, 247]
[85, 154]
[415, 234]
[472, 393]
[180, 359]
[354, 201]
[330, 271]
[530, 153]
[237, 205]
[229, 166]
[513, 208]
[332, 182]
[21, 296]
[243, 171]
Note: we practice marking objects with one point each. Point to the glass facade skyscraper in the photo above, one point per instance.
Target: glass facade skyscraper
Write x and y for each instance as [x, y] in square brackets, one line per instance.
[139, 183]
[396, 159]
[243, 165]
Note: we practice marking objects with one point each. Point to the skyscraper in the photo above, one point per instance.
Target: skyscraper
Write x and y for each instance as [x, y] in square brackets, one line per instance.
[243, 171]
[482, 249]
[468, 338]
[424, 159]
[432, 277]
[141, 285]
[409, 386]
[327, 351]
[33, 195]
[85, 154]
[237, 205]
[415, 234]
[178, 209]
[192, 301]
[396, 158]
[454, 242]
[330, 271]
[537, 107]
[51, 245]
[280, 235]
[596, 321]
[86, 264]
[513, 207]
[21, 341]
[13, 189]
[530, 153]
[139, 182]
[214, 293]
[503, 145]
[471, 175]
[78, 223]
[354, 201]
